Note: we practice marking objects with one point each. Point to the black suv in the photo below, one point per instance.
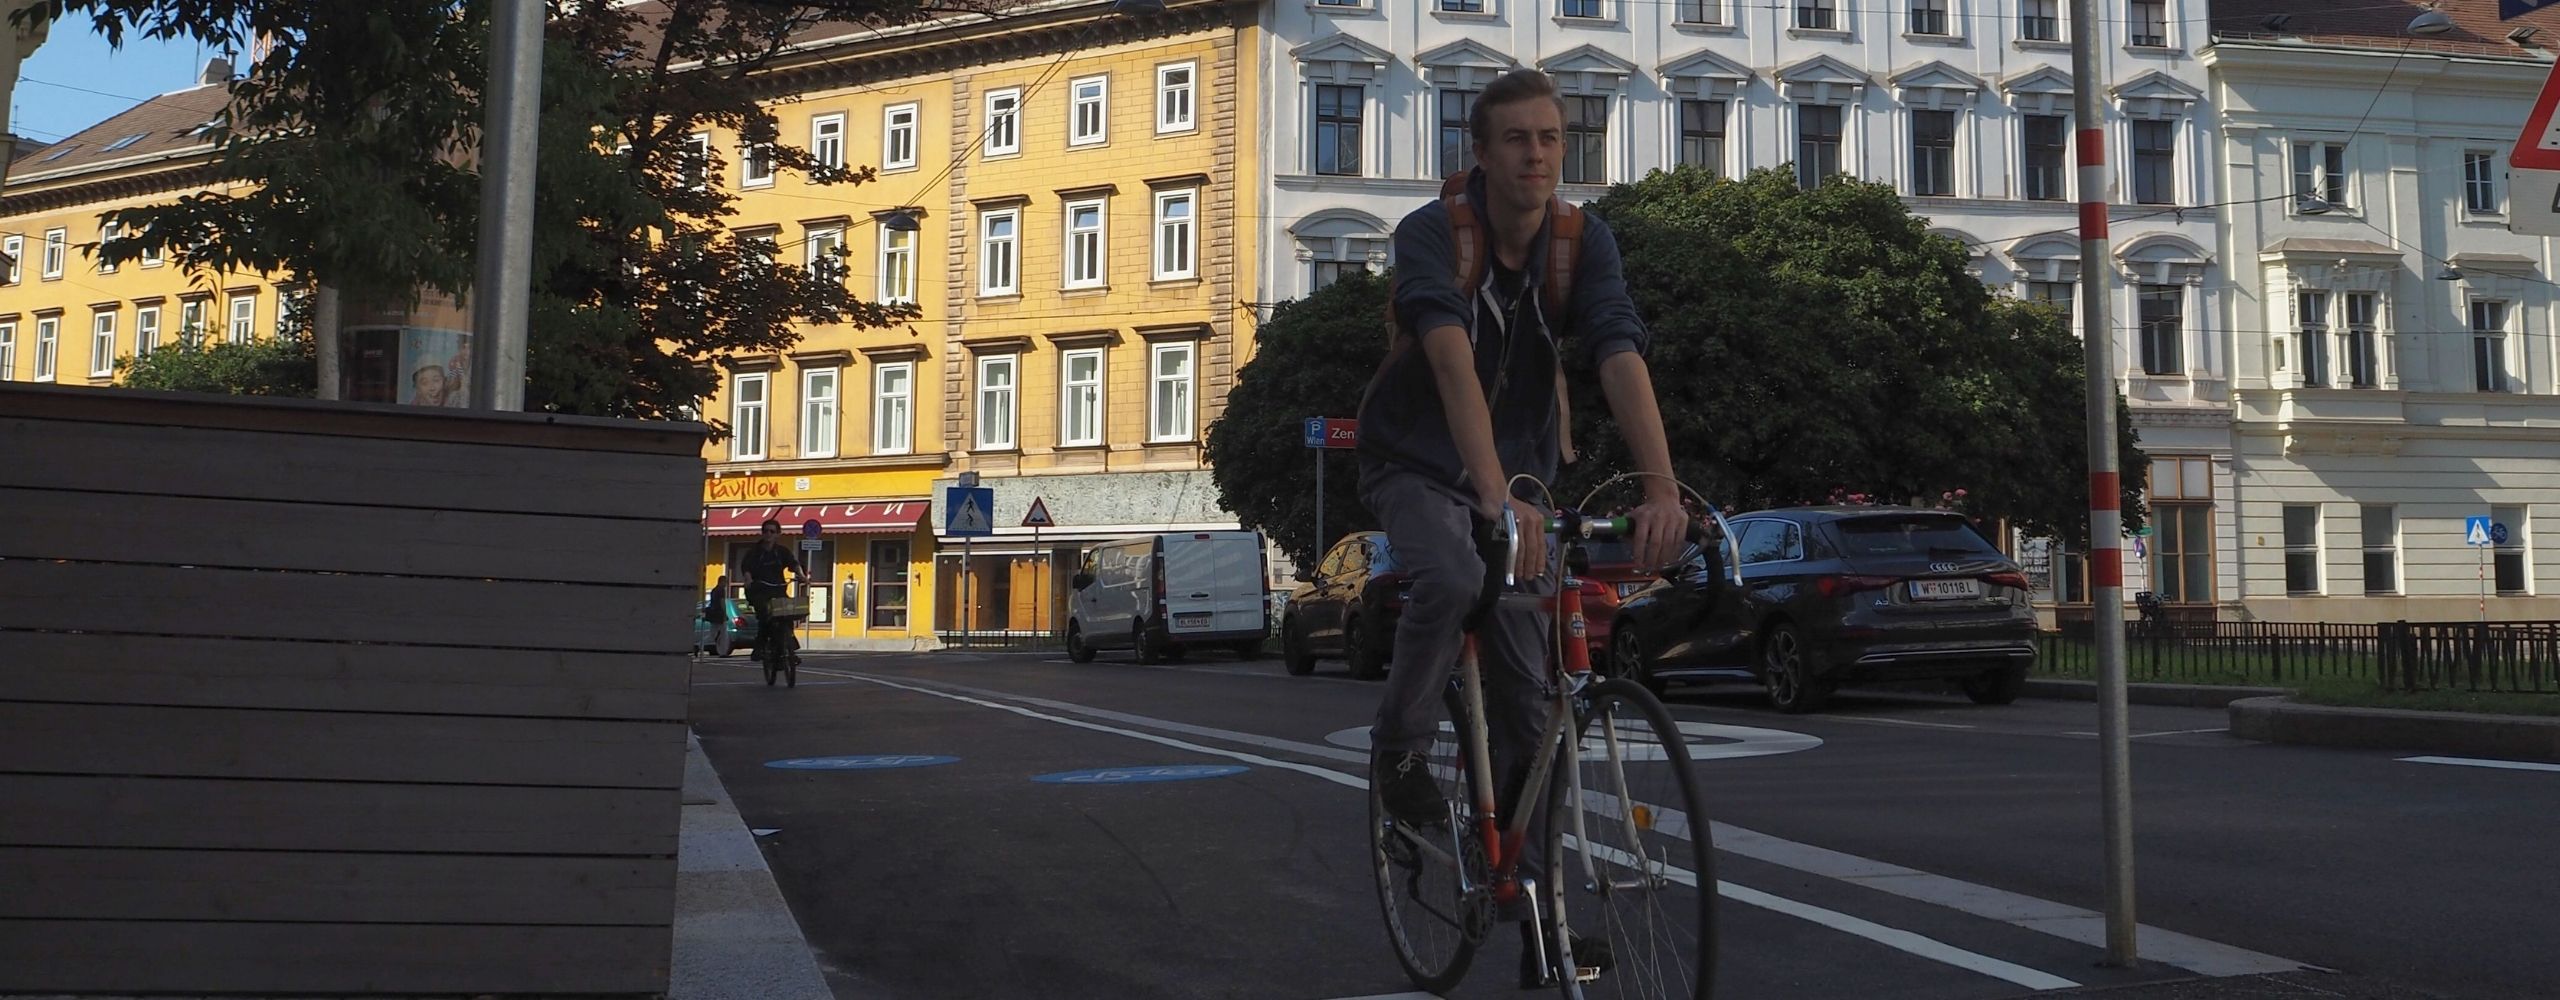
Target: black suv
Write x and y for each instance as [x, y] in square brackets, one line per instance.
[1832, 595]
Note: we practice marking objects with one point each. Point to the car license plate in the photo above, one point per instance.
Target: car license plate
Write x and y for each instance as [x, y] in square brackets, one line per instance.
[1197, 619]
[1945, 590]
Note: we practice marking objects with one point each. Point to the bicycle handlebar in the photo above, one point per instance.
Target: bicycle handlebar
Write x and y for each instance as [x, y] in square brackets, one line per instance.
[1569, 522]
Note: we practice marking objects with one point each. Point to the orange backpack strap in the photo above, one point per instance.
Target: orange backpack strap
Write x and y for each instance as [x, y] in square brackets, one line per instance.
[1466, 268]
[1564, 245]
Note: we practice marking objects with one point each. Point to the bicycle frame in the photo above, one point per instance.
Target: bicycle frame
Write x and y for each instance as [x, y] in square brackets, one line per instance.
[1571, 673]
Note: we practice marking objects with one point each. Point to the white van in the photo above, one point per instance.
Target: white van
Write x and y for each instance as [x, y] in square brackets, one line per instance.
[1163, 594]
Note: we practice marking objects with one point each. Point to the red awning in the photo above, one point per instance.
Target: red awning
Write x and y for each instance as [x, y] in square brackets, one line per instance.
[876, 515]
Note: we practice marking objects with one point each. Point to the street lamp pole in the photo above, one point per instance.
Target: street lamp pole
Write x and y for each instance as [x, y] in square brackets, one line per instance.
[502, 293]
[2106, 520]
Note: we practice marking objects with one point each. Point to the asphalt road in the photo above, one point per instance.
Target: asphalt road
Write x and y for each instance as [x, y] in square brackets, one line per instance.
[1923, 848]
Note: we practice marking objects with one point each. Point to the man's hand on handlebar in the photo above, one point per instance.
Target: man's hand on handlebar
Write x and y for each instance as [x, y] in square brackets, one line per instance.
[1529, 556]
[1658, 529]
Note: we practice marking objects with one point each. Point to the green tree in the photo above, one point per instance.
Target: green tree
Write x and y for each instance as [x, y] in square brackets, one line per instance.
[1312, 358]
[1808, 344]
[346, 157]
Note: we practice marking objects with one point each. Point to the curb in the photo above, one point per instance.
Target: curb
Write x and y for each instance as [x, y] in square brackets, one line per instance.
[735, 937]
[2174, 695]
[2282, 720]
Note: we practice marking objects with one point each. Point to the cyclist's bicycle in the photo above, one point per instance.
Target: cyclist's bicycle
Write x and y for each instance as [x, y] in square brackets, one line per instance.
[1627, 839]
[774, 646]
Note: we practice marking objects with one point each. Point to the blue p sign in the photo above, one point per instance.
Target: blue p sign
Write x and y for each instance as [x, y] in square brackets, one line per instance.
[1315, 432]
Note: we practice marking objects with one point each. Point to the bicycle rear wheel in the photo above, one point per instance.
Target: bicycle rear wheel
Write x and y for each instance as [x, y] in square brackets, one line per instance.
[1435, 918]
[1639, 863]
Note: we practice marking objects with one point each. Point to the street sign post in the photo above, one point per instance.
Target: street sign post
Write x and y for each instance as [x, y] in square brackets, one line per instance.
[2481, 533]
[2535, 166]
[1035, 519]
[1325, 434]
[965, 511]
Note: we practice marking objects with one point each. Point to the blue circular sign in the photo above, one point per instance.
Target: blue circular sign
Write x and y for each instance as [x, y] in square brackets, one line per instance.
[861, 762]
[2497, 533]
[1142, 772]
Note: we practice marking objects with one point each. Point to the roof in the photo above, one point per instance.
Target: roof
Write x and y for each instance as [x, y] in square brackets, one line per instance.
[2384, 24]
[161, 125]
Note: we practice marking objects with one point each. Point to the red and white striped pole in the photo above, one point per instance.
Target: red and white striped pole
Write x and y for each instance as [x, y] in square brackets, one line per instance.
[2106, 519]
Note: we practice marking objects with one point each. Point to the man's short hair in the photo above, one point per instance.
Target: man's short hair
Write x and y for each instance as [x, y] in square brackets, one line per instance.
[770, 524]
[1510, 88]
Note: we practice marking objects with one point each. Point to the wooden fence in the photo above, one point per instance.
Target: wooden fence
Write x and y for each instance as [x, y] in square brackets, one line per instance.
[323, 698]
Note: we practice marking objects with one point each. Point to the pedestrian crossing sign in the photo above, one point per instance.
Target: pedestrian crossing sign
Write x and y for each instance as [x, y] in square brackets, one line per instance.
[2476, 530]
[966, 510]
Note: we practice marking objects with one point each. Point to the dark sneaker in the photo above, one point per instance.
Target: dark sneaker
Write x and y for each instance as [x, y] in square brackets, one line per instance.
[1405, 784]
[1588, 953]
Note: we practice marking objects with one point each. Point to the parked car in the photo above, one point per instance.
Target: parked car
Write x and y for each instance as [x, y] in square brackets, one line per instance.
[736, 614]
[1160, 595]
[1609, 575]
[1346, 608]
[1831, 595]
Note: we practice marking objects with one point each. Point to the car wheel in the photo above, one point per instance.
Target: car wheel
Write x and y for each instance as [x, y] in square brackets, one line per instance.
[1359, 652]
[1788, 670]
[1149, 651]
[1626, 659]
[1996, 687]
[1078, 650]
[1293, 649]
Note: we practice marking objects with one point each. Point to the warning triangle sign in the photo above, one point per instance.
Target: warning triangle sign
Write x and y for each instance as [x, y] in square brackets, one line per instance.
[971, 517]
[2479, 533]
[1038, 517]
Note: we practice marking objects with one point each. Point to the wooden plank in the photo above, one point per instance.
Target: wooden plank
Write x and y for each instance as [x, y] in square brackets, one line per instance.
[341, 419]
[168, 600]
[75, 811]
[196, 461]
[160, 742]
[248, 673]
[85, 884]
[197, 959]
[403, 541]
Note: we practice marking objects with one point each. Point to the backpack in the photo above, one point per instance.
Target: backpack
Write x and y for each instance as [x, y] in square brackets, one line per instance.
[1555, 288]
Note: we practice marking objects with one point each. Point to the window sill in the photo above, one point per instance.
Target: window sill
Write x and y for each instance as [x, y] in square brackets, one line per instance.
[1172, 442]
[1083, 446]
[2485, 218]
[1005, 154]
[1004, 450]
[1162, 281]
[1000, 298]
[1926, 38]
[755, 185]
[2153, 50]
[1841, 34]
[1084, 291]
[1576, 21]
[1704, 28]
[1192, 129]
[1484, 16]
[1343, 9]
[1089, 143]
[2039, 45]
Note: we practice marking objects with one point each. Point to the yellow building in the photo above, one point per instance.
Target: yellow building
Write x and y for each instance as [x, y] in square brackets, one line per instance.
[67, 318]
[1082, 182]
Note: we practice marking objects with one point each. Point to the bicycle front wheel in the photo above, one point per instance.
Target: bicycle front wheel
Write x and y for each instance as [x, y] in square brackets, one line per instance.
[1638, 863]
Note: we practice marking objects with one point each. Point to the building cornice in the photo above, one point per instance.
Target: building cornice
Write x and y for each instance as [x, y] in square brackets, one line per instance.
[867, 58]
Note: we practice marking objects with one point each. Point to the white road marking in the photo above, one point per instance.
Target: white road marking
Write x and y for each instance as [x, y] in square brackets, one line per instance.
[1880, 721]
[1890, 937]
[1397, 996]
[2507, 765]
[2171, 732]
[2071, 923]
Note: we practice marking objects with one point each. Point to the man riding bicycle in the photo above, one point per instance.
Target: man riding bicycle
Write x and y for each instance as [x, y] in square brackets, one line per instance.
[1470, 397]
[764, 567]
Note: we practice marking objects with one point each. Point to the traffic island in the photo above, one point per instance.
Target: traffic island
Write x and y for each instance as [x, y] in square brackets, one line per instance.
[2174, 695]
[2281, 719]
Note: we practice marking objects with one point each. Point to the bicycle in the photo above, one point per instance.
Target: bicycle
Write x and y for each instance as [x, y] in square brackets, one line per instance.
[1636, 852]
[773, 637]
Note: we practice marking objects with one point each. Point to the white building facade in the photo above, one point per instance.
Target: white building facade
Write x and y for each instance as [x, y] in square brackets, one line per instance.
[2392, 341]
[1964, 105]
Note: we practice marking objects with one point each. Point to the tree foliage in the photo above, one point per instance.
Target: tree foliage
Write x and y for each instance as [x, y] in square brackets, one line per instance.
[284, 366]
[1312, 358]
[348, 156]
[1806, 345]
[1807, 342]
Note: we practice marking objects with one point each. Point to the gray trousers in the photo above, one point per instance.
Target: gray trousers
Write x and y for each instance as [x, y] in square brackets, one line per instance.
[1430, 533]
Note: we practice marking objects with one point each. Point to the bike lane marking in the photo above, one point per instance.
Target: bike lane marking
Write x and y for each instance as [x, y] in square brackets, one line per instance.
[2505, 765]
[1899, 940]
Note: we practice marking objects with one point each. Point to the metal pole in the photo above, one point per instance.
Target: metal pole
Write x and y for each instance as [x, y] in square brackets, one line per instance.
[2106, 521]
[1319, 503]
[968, 610]
[1039, 611]
[502, 293]
[324, 339]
